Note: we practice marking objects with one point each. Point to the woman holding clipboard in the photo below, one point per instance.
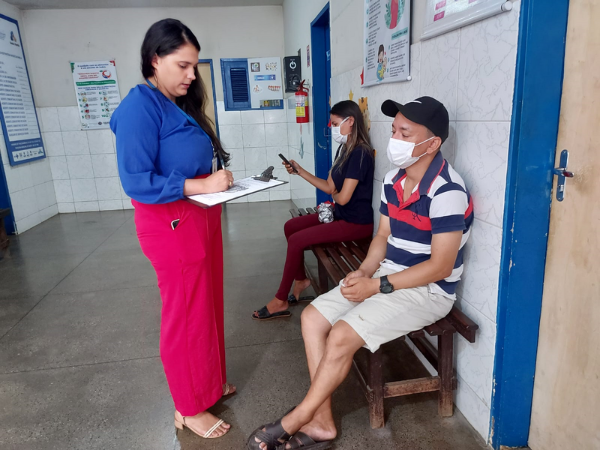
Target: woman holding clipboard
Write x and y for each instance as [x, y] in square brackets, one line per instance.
[167, 149]
[350, 182]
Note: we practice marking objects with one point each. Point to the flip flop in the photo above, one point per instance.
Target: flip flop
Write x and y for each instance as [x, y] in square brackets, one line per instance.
[293, 301]
[270, 436]
[303, 440]
[264, 314]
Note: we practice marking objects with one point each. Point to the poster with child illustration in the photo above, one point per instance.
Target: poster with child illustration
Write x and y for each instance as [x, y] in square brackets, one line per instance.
[386, 41]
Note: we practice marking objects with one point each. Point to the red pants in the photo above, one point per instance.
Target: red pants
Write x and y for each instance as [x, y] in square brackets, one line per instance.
[304, 231]
[189, 267]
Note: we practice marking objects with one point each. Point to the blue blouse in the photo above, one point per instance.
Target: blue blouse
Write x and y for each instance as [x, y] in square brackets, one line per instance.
[158, 148]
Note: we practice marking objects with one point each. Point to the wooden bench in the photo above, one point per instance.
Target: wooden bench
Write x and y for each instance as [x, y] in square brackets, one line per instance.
[3, 236]
[335, 261]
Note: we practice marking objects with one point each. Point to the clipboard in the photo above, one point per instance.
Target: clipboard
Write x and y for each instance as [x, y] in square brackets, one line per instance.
[240, 188]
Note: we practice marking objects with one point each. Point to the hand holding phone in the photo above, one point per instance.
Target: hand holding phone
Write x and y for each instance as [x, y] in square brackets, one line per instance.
[284, 159]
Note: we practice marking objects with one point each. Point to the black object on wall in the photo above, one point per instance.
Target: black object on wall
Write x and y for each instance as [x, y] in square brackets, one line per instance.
[292, 73]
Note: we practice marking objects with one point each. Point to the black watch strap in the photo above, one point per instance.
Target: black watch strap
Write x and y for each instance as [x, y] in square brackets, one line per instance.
[385, 287]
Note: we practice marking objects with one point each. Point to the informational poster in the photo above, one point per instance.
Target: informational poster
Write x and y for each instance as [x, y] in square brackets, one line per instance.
[97, 92]
[19, 120]
[387, 41]
[442, 16]
[265, 82]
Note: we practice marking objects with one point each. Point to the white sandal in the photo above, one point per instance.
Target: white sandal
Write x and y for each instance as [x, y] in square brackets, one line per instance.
[181, 424]
[227, 390]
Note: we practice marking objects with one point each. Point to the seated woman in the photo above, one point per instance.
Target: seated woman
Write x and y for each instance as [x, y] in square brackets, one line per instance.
[350, 182]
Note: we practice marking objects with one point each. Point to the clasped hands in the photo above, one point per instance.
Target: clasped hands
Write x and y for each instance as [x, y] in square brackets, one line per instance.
[357, 286]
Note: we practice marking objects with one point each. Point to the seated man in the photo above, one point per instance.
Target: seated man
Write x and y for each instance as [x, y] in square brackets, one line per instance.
[407, 281]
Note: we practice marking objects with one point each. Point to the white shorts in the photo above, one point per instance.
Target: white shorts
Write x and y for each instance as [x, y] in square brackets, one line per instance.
[385, 317]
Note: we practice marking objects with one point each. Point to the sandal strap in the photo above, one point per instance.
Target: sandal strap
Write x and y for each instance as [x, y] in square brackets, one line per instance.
[227, 388]
[214, 427]
[300, 440]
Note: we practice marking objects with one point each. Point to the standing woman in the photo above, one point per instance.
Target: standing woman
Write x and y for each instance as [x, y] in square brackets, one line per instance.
[167, 149]
[350, 183]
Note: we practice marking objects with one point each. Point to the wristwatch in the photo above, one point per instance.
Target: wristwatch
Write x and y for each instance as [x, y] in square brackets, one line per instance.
[385, 287]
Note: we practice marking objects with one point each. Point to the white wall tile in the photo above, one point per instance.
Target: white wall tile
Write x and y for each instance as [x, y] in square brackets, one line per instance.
[24, 203]
[49, 119]
[481, 155]
[44, 195]
[259, 197]
[252, 117]
[237, 159]
[53, 143]
[254, 135]
[105, 165]
[75, 143]
[227, 117]
[479, 285]
[86, 206]
[110, 205]
[293, 135]
[80, 167]
[68, 117]
[256, 160]
[28, 223]
[273, 158]
[108, 189]
[275, 115]
[59, 168]
[51, 211]
[279, 195]
[439, 69]
[64, 208]
[449, 147]
[127, 204]
[40, 171]
[488, 52]
[84, 191]
[18, 177]
[474, 410]
[231, 136]
[64, 193]
[276, 134]
[3, 152]
[100, 141]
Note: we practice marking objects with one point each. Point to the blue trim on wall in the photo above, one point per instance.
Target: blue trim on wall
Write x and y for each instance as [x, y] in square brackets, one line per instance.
[321, 71]
[212, 76]
[534, 132]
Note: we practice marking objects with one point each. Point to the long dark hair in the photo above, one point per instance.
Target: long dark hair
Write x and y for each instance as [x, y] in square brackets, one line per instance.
[359, 136]
[164, 38]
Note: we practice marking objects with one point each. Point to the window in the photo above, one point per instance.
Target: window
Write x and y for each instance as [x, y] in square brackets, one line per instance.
[235, 84]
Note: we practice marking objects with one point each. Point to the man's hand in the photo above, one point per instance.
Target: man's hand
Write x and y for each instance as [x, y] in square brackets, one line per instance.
[358, 289]
[356, 274]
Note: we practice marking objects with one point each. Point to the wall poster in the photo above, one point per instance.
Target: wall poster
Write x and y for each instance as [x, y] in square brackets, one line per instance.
[442, 16]
[17, 109]
[265, 82]
[97, 92]
[387, 41]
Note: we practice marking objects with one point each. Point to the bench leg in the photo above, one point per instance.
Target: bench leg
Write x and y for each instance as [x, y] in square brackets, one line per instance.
[446, 372]
[376, 415]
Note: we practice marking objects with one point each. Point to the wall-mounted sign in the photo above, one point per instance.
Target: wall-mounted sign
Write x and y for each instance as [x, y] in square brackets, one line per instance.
[264, 77]
[387, 41]
[17, 109]
[97, 92]
[442, 16]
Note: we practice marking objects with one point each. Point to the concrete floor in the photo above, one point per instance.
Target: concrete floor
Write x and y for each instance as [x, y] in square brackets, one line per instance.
[79, 360]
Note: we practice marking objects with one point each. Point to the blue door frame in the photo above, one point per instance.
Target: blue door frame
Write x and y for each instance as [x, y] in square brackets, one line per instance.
[533, 140]
[9, 221]
[321, 70]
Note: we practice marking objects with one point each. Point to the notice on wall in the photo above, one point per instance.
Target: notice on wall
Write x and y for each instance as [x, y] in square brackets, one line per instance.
[265, 82]
[442, 16]
[387, 41]
[97, 92]
[19, 119]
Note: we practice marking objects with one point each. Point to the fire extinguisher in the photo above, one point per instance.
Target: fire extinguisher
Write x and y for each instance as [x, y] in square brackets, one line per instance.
[302, 104]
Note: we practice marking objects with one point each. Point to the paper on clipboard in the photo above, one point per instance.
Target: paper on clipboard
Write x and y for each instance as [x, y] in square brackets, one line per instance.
[240, 188]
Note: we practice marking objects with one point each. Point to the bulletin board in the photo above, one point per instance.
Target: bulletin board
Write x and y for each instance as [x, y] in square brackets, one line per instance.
[17, 110]
[264, 78]
[442, 16]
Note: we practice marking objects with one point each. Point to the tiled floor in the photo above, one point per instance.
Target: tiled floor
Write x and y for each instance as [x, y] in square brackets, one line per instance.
[79, 361]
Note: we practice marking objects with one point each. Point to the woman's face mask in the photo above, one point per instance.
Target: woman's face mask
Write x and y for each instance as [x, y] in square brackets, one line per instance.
[400, 152]
[337, 136]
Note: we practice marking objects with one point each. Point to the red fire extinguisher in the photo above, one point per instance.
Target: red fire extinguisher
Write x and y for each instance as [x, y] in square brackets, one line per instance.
[302, 104]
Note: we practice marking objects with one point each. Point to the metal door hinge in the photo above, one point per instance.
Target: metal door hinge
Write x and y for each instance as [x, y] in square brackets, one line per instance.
[562, 173]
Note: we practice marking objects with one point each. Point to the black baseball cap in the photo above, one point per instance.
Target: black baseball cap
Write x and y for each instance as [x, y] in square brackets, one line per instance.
[426, 111]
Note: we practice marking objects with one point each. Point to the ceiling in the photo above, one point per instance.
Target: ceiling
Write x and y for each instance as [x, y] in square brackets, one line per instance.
[82, 4]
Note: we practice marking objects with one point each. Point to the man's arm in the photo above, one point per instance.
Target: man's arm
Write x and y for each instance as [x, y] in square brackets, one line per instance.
[444, 250]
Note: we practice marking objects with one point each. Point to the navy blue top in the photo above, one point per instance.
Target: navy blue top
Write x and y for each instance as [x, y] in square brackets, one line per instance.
[359, 166]
[158, 148]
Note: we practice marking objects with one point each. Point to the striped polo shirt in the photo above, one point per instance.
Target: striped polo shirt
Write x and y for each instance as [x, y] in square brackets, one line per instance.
[440, 203]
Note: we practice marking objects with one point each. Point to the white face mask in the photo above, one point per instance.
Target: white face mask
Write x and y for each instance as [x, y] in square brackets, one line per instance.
[337, 136]
[400, 152]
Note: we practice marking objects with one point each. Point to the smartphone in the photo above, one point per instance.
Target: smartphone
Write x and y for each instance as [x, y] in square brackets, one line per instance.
[284, 159]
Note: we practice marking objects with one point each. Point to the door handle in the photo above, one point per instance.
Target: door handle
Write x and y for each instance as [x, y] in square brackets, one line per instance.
[562, 173]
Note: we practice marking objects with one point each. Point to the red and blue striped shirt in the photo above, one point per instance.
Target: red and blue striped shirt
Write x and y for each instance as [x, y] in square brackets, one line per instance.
[440, 203]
